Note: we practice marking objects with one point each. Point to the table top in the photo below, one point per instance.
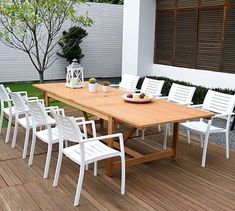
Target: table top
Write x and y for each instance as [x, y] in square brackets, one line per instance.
[112, 105]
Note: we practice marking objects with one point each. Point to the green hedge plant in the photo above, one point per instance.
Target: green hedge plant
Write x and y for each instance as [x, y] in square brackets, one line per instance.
[200, 92]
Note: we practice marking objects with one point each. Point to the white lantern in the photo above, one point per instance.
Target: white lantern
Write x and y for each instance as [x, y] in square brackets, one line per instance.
[75, 76]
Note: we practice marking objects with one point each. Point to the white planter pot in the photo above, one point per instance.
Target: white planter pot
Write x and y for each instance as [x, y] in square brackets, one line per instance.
[105, 88]
[92, 87]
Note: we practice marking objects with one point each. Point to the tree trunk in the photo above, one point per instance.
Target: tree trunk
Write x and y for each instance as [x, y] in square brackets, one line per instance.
[41, 77]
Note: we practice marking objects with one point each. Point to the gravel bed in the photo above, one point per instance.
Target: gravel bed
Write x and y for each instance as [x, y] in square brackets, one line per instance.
[219, 138]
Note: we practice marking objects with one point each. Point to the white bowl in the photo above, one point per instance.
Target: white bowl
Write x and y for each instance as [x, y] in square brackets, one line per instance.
[133, 100]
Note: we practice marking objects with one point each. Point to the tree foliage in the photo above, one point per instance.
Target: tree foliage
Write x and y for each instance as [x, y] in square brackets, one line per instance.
[70, 43]
[33, 26]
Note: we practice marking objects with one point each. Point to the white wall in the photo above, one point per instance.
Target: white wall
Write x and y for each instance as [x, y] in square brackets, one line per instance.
[198, 77]
[138, 36]
[102, 49]
[138, 49]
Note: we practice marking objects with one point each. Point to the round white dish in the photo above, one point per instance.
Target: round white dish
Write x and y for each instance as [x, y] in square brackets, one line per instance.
[133, 100]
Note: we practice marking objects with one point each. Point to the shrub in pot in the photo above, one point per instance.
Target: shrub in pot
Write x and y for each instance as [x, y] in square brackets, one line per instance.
[105, 86]
[92, 85]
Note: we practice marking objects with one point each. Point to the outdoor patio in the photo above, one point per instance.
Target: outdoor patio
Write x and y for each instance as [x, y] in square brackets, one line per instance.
[117, 105]
[159, 185]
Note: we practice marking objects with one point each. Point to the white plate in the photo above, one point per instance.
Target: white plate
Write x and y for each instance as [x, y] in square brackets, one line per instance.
[132, 100]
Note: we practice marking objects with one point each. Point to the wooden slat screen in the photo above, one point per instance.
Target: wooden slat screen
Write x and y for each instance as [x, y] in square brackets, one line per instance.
[209, 39]
[166, 4]
[164, 34]
[212, 2]
[187, 3]
[229, 44]
[196, 34]
[186, 27]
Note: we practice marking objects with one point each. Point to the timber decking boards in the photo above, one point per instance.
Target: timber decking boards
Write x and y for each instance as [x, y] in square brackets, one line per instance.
[157, 185]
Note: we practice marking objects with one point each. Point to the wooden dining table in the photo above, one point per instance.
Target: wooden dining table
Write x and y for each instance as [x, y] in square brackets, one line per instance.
[112, 108]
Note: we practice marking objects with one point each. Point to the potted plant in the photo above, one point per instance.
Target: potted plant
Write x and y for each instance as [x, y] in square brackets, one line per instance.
[105, 86]
[92, 85]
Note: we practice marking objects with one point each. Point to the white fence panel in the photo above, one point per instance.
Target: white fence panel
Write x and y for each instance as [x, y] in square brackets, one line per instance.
[102, 49]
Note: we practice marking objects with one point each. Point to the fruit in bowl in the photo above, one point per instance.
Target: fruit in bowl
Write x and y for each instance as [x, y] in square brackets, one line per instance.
[142, 95]
[129, 95]
[137, 97]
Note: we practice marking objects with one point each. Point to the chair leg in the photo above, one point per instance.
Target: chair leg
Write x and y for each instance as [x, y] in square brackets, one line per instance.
[159, 128]
[123, 177]
[137, 132]
[95, 168]
[79, 185]
[188, 136]
[58, 167]
[26, 141]
[8, 129]
[1, 120]
[165, 136]
[201, 140]
[32, 150]
[227, 144]
[87, 167]
[13, 144]
[143, 134]
[48, 161]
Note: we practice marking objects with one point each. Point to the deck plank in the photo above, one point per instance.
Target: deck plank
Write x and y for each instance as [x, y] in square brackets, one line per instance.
[157, 185]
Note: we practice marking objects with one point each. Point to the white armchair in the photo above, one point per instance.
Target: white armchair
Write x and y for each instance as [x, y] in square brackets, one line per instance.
[222, 105]
[128, 83]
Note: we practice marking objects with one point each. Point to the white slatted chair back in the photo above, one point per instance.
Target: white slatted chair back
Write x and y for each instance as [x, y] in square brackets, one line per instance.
[219, 102]
[19, 103]
[152, 86]
[181, 94]
[38, 112]
[3, 93]
[129, 82]
[68, 128]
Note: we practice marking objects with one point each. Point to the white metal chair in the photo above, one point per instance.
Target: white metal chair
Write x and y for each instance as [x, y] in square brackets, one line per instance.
[49, 135]
[151, 87]
[222, 105]
[179, 94]
[26, 121]
[85, 151]
[9, 111]
[128, 82]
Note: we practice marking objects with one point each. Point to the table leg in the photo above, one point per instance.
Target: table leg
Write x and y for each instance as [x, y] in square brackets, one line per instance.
[101, 123]
[110, 144]
[46, 99]
[175, 138]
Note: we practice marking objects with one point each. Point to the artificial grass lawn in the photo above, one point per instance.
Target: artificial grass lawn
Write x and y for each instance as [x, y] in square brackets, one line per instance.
[32, 92]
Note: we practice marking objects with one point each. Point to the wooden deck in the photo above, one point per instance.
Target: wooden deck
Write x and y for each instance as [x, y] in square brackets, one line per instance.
[158, 185]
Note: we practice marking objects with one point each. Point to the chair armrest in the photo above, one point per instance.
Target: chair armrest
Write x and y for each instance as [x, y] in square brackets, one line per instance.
[114, 85]
[196, 106]
[32, 98]
[23, 93]
[81, 119]
[100, 138]
[223, 115]
[163, 97]
[8, 101]
[48, 109]
[84, 125]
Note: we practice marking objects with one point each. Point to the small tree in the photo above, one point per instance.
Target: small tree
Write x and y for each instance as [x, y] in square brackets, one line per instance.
[32, 26]
[70, 43]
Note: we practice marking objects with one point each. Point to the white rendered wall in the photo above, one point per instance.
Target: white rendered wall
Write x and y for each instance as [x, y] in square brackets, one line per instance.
[138, 36]
[138, 49]
[102, 49]
[198, 77]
